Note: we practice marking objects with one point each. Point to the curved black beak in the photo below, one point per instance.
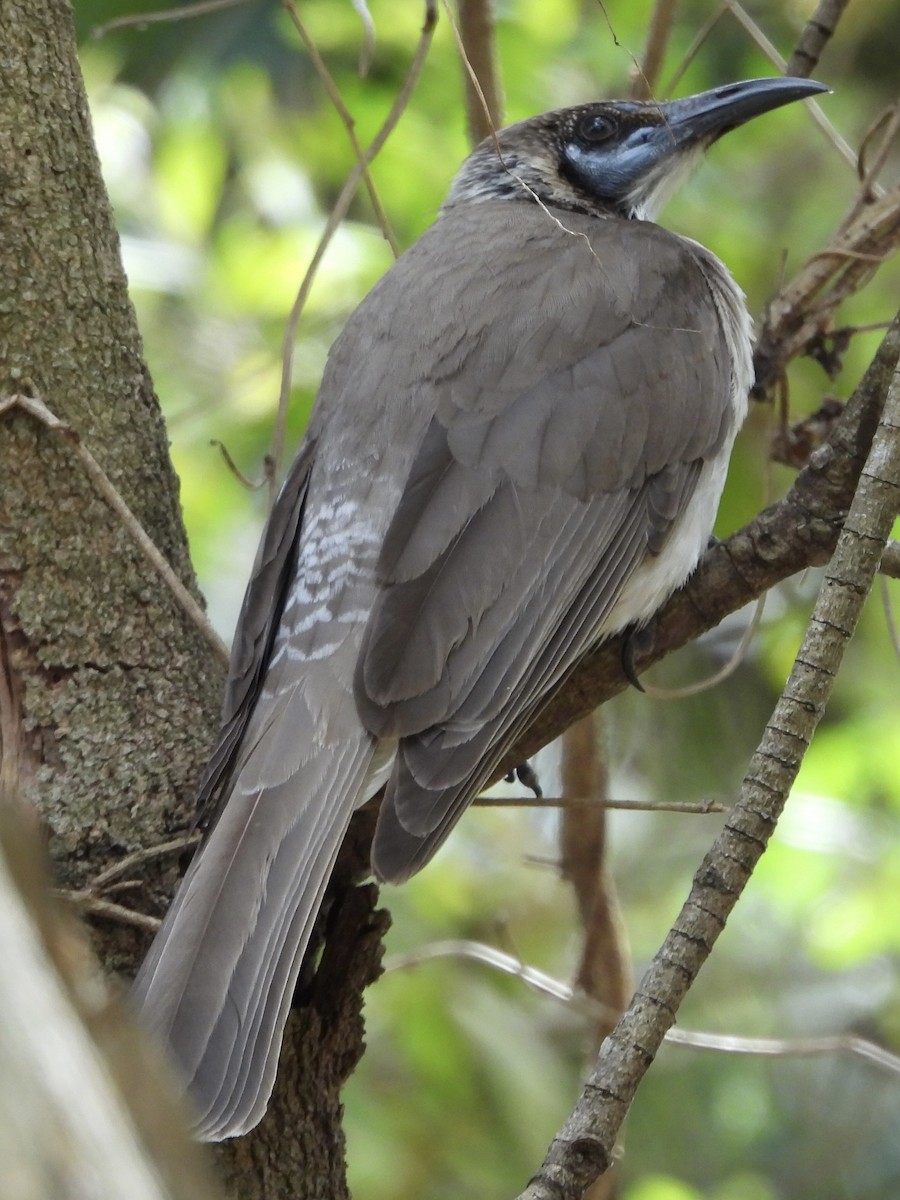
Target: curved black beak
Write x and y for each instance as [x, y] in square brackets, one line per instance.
[706, 116]
[655, 143]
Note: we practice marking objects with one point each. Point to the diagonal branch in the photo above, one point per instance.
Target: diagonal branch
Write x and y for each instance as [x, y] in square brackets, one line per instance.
[35, 407]
[817, 32]
[481, 75]
[583, 1147]
[798, 531]
[338, 212]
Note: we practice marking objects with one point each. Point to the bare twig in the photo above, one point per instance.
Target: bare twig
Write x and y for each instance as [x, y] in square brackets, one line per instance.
[691, 1039]
[367, 53]
[693, 50]
[91, 900]
[337, 101]
[646, 77]
[96, 906]
[486, 120]
[812, 41]
[235, 470]
[35, 406]
[139, 858]
[498, 960]
[583, 1147]
[805, 306]
[702, 807]
[814, 1047]
[337, 214]
[870, 166]
[184, 13]
[813, 107]
[604, 968]
[727, 669]
[478, 36]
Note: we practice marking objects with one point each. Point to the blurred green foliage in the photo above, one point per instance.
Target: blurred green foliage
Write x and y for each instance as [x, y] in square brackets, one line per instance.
[223, 156]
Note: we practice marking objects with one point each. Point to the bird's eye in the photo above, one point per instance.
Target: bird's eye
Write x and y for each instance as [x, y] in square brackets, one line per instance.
[594, 128]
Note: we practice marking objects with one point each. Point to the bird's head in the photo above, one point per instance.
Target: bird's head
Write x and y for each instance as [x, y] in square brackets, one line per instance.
[615, 158]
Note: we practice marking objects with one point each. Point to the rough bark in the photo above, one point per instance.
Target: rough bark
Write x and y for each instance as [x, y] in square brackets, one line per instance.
[110, 691]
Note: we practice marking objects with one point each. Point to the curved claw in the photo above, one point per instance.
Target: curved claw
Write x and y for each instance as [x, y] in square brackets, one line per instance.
[526, 774]
[639, 641]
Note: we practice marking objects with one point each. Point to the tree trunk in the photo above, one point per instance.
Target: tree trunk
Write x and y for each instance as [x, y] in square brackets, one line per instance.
[111, 692]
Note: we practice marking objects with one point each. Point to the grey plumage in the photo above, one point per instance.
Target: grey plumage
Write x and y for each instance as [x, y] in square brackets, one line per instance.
[517, 449]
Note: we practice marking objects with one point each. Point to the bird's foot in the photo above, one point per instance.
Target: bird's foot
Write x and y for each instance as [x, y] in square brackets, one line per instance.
[526, 774]
[639, 641]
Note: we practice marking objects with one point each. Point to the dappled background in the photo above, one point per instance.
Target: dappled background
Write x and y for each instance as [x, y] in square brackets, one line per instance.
[224, 157]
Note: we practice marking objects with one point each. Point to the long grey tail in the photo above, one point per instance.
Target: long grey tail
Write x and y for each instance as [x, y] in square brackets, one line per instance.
[217, 983]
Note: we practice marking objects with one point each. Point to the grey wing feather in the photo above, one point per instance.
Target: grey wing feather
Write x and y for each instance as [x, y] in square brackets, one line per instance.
[563, 484]
[217, 983]
[256, 627]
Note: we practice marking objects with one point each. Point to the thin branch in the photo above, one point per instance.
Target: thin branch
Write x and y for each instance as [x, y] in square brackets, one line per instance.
[94, 906]
[337, 101]
[250, 484]
[498, 960]
[813, 107]
[90, 899]
[478, 36]
[814, 1047]
[727, 669]
[140, 858]
[889, 615]
[36, 407]
[185, 13]
[804, 307]
[646, 77]
[797, 532]
[888, 125]
[367, 53]
[702, 807]
[583, 1148]
[818, 30]
[486, 119]
[604, 970]
[691, 1039]
[694, 49]
[337, 214]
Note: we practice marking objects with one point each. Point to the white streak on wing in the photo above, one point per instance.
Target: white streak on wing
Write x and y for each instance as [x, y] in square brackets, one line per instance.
[351, 615]
[314, 655]
[330, 596]
[316, 616]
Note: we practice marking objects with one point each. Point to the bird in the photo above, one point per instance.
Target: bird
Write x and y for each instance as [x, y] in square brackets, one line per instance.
[517, 451]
